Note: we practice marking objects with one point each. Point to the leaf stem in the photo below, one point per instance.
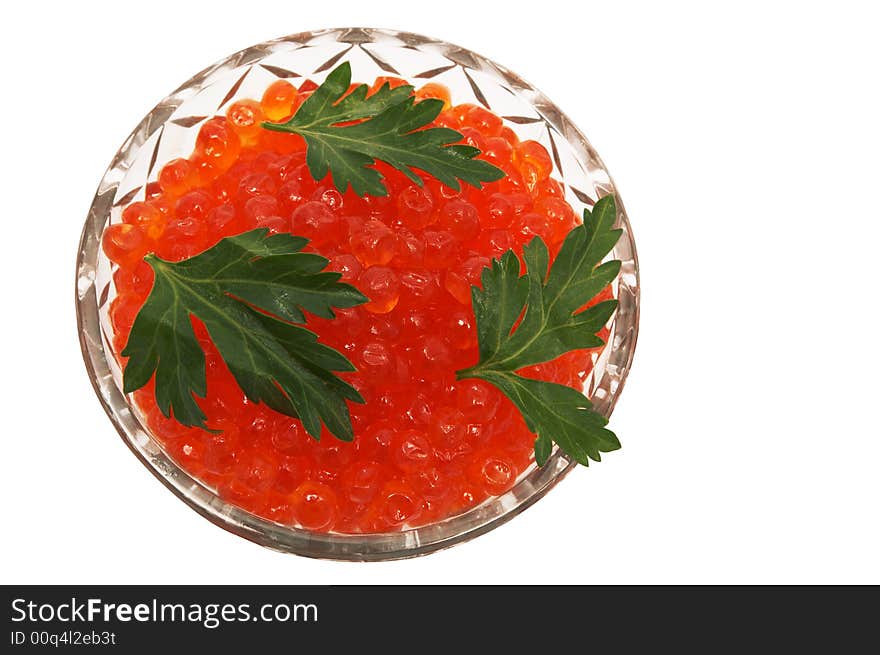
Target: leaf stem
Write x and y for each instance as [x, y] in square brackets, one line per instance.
[471, 372]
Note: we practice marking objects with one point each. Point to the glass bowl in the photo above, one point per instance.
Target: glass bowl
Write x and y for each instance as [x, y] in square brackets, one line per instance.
[169, 131]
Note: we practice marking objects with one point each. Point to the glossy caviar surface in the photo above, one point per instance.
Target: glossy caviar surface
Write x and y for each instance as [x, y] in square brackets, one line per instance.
[426, 446]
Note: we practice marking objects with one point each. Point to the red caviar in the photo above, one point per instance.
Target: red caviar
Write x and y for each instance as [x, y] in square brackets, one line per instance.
[426, 446]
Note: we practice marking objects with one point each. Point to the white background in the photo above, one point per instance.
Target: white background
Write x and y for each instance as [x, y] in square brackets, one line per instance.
[744, 142]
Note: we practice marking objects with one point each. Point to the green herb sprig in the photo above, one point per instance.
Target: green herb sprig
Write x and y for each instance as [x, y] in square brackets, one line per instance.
[250, 291]
[390, 132]
[551, 324]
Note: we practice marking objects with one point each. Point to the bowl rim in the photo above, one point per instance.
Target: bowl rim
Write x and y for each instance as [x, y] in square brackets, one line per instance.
[406, 543]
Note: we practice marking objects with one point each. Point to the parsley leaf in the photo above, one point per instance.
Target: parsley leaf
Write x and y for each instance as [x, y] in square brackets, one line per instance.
[552, 324]
[248, 290]
[390, 133]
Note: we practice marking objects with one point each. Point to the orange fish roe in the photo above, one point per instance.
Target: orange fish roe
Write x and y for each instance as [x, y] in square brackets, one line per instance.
[426, 446]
